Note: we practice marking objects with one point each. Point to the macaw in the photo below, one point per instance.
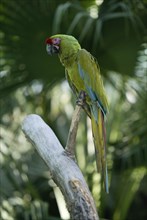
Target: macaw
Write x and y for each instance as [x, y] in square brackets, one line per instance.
[83, 74]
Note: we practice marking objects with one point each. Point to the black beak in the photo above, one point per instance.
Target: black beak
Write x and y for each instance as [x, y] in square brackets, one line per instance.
[51, 49]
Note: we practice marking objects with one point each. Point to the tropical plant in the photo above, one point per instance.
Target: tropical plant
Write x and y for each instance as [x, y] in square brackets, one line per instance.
[115, 33]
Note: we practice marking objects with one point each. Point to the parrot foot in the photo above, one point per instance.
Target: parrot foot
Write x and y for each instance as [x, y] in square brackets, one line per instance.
[81, 101]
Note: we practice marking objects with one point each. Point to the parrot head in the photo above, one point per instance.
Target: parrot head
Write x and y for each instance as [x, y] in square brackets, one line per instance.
[52, 45]
[61, 43]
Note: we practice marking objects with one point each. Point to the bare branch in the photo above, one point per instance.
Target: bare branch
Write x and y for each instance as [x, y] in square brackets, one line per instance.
[64, 170]
[71, 140]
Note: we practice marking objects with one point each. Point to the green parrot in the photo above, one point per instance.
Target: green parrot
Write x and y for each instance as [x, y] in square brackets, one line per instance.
[83, 74]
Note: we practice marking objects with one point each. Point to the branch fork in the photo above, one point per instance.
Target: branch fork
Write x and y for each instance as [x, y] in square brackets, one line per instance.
[65, 172]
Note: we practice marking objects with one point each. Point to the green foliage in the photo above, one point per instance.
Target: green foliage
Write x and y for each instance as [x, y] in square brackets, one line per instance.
[32, 82]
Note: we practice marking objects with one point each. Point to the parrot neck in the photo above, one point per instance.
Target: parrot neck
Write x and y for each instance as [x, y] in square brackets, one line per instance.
[67, 59]
[68, 52]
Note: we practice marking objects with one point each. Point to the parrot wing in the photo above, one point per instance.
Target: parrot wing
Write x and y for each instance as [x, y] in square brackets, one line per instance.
[90, 74]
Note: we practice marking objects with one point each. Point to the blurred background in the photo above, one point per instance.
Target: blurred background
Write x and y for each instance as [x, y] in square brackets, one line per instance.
[115, 32]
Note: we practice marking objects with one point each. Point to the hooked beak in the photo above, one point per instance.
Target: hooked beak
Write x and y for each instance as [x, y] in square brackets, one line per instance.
[51, 49]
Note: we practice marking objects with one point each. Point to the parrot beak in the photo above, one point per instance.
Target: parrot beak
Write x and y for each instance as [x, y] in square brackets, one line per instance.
[52, 49]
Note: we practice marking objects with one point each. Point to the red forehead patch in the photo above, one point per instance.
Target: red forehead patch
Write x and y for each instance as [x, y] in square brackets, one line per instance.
[49, 41]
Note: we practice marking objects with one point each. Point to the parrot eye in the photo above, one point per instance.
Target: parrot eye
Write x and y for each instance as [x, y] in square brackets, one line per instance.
[56, 41]
[53, 41]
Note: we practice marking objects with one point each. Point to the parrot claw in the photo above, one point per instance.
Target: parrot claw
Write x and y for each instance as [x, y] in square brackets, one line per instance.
[81, 101]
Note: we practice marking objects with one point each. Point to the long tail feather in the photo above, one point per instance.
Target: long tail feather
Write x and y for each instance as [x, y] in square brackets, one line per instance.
[99, 137]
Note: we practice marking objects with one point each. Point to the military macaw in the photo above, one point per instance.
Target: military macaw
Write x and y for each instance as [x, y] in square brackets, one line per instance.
[83, 74]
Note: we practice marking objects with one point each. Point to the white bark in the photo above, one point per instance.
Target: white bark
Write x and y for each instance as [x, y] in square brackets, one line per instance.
[63, 168]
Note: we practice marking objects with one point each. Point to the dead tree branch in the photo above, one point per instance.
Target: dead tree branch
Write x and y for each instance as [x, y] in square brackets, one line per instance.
[64, 170]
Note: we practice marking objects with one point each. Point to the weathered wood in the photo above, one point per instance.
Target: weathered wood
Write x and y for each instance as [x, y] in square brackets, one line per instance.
[63, 168]
[70, 145]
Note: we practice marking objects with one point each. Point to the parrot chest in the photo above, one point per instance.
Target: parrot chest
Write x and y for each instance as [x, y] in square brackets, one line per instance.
[76, 80]
[71, 67]
[75, 77]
